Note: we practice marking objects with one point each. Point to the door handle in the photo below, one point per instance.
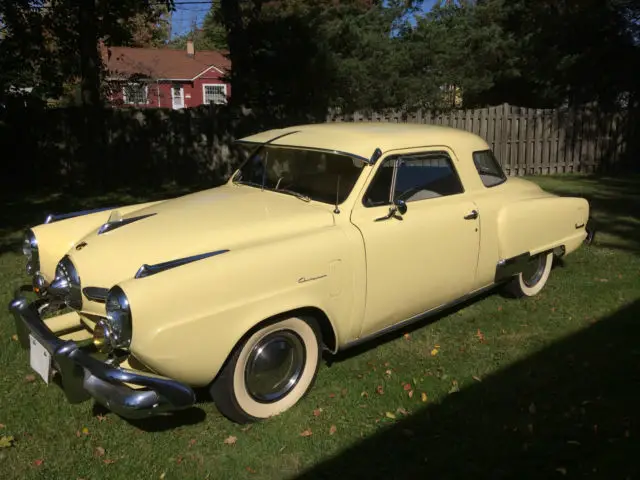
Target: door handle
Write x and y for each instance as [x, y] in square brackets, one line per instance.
[471, 216]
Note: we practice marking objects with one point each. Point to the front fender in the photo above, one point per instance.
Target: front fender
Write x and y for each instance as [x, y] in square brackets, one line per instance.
[187, 320]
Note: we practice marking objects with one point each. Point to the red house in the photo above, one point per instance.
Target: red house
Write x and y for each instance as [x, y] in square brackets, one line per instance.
[166, 78]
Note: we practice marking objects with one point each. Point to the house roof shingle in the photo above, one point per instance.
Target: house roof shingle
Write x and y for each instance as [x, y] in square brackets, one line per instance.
[161, 63]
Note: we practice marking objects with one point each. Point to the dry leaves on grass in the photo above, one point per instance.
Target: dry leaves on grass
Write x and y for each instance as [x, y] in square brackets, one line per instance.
[38, 461]
[480, 336]
[317, 412]
[99, 452]
[30, 378]
[7, 441]
[407, 336]
[306, 433]
[230, 440]
[390, 415]
[435, 351]
[332, 429]
[14, 337]
[380, 390]
[250, 470]
[423, 397]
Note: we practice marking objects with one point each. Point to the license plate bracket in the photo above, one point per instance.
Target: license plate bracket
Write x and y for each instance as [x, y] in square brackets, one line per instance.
[40, 358]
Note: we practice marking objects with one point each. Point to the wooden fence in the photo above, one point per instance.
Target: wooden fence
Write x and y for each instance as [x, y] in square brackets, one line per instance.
[533, 141]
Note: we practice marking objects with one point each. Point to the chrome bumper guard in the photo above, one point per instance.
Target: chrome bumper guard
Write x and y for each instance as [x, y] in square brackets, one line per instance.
[84, 376]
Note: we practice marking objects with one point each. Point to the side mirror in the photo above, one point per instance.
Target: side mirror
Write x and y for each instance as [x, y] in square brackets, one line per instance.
[401, 206]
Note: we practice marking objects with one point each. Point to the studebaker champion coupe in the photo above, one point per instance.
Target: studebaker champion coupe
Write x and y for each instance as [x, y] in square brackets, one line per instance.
[326, 236]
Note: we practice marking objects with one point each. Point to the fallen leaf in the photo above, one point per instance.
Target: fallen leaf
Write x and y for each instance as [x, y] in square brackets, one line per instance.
[386, 364]
[99, 452]
[317, 412]
[402, 411]
[306, 433]
[7, 441]
[38, 462]
[85, 431]
[78, 433]
[162, 475]
[250, 470]
[499, 308]
[2, 425]
[410, 393]
[423, 397]
[380, 390]
[332, 395]
[407, 336]
[407, 386]
[477, 379]
[332, 429]
[454, 387]
[247, 428]
[108, 461]
[561, 470]
[30, 378]
[14, 337]
[101, 418]
[388, 373]
[230, 440]
[480, 336]
[192, 442]
[179, 459]
[364, 394]
[532, 408]
[434, 352]
[390, 415]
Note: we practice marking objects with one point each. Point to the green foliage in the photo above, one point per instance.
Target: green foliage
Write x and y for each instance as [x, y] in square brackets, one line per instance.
[212, 35]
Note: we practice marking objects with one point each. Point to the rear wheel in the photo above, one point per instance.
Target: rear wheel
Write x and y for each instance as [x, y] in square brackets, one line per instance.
[533, 277]
[270, 371]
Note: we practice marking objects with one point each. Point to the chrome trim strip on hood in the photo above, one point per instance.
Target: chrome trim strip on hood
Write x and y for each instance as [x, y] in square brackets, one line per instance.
[148, 270]
[63, 216]
[112, 225]
[96, 294]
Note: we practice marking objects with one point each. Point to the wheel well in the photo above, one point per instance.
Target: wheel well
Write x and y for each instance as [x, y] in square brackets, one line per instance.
[326, 329]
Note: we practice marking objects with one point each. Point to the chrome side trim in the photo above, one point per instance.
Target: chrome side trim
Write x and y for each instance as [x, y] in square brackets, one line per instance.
[417, 318]
[63, 216]
[148, 270]
[507, 268]
[96, 294]
[110, 226]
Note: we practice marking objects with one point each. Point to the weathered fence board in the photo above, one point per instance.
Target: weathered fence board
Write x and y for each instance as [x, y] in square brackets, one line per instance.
[530, 141]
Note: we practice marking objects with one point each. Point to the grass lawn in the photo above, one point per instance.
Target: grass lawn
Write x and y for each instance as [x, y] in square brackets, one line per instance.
[547, 387]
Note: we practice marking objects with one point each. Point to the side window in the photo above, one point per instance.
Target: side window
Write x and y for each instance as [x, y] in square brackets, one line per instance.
[417, 177]
[426, 176]
[488, 168]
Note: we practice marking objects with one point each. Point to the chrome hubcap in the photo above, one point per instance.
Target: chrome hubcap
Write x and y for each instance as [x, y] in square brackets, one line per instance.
[532, 272]
[274, 366]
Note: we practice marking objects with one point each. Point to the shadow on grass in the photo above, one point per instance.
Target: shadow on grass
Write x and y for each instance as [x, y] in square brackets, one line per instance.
[570, 410]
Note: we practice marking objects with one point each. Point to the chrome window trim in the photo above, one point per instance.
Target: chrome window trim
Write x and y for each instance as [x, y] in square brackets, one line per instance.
[147, 270]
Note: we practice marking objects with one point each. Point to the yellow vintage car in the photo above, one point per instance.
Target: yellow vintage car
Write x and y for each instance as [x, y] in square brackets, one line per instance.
[326, 236]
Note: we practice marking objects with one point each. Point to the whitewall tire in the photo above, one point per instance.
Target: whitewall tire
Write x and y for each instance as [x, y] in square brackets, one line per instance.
[270, 371]
[533, 278]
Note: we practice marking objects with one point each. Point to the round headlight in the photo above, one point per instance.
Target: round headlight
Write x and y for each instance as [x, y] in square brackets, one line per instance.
[67, 283]
[30, 250]
[118, 318]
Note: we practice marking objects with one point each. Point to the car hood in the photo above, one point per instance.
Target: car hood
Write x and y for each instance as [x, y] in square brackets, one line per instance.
[223, 218]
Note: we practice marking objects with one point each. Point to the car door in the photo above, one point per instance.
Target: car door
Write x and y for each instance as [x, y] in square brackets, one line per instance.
[425, 253]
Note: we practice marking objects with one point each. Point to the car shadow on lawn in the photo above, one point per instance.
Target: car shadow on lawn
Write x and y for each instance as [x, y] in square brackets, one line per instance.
[570, 410]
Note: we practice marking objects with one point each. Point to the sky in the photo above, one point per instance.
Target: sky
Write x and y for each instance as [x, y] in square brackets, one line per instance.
[187, 14]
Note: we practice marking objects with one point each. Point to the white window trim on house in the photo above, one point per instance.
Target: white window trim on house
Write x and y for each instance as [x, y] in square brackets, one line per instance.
[204, 89]
[146, 94]
[182, 97]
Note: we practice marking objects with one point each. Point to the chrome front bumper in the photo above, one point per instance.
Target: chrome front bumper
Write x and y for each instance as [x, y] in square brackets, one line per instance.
[84, 376]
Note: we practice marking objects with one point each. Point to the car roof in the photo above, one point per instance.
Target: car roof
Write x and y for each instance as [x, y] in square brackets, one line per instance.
[362, 138]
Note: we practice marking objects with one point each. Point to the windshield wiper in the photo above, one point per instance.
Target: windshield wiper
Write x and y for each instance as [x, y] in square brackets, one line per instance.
[301, 196]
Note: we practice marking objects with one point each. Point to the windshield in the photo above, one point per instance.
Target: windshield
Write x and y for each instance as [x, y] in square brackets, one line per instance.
[310, 174]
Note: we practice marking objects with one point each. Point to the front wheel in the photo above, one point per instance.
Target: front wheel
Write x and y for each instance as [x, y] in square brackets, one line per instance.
[533, 277]
[270, 371]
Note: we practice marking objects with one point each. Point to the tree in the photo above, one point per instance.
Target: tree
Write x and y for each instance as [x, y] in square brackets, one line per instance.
[211, 36]
[150, 28]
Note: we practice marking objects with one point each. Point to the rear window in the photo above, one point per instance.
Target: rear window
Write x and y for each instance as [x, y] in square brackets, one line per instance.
[488, 168]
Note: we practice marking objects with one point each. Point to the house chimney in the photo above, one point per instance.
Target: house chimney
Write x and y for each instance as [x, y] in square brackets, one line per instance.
[190, 48]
